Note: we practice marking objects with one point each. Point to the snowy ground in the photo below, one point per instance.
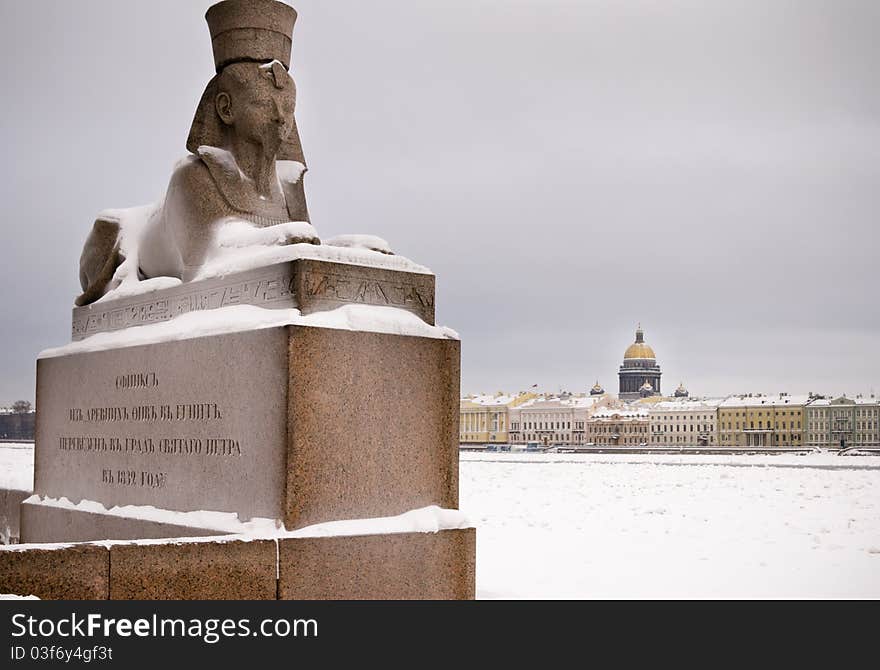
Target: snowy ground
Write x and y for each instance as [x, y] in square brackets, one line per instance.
[16, 466]
[635, 526]
[620, 526]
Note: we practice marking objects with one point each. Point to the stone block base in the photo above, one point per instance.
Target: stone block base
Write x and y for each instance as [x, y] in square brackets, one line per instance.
[402, 566]
[390, 566]
[72, 572]
[210, 570]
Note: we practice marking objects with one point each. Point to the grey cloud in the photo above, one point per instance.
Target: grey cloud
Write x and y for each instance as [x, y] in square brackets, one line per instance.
[567, 169]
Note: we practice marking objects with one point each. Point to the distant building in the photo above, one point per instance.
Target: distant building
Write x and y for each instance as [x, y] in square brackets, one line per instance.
[554, 421]
[843, 422]
[681, 391]
[619, 427]
[483, 419]
[762, 421]
[640, 374]
[683, 422]
[597, 389]
[16, 425]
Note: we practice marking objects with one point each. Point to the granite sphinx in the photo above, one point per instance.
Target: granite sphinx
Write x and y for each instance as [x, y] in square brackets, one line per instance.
[244, 172]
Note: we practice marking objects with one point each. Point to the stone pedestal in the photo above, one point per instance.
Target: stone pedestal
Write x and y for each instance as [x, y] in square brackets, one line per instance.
[295, 423]
[198, 437]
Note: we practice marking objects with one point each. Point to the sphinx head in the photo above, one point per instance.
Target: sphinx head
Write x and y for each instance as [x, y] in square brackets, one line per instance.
[255, 102]
[251, 102]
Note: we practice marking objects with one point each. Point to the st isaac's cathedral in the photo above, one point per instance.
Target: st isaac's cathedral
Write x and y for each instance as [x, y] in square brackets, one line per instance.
[639, 374]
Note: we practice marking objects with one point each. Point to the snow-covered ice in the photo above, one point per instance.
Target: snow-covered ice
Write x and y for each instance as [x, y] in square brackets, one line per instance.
[622, 526]
[17, 466]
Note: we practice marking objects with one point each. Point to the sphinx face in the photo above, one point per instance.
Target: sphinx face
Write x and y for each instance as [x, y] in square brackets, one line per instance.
[260, 103]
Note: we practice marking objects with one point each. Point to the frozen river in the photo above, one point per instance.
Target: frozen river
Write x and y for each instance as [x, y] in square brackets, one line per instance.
[620, 526]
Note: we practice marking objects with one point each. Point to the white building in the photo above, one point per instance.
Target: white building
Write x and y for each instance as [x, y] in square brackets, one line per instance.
[554, 421]
[843, 422]
[684, 422]
[623, 427]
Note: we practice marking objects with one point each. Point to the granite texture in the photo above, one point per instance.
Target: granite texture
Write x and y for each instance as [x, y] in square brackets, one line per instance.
[251, 29]
[229, 570]
[44, 523]
[372, 425]
[401, 566]
[77, 572]
[321, 285]
[394, 566]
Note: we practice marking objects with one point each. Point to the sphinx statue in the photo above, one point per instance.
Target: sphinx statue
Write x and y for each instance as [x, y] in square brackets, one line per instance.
[242, 183]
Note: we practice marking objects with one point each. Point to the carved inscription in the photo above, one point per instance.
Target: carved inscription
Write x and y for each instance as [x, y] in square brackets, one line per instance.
[159, 449]
[197, 424]
[206, 411]
[263, 291]
[340, 287]
[153, 480]
[136, 380]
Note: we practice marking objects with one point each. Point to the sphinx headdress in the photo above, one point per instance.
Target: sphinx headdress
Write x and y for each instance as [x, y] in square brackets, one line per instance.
[257, 31]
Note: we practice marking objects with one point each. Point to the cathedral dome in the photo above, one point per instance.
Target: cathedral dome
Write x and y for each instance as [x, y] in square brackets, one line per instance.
[638, 349]
[597, 389]
[639, 365]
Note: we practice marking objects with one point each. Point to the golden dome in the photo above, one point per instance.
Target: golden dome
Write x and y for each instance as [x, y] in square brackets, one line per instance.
[639, 349]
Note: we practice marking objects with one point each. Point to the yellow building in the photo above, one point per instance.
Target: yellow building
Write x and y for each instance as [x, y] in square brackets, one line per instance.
[762, 421]
[484, 419]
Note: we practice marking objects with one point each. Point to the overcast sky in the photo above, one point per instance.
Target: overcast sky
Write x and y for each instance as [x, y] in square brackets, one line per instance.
[568, 169]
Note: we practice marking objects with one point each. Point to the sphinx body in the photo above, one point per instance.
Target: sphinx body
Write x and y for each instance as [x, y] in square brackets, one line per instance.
[242, 170]
[206, 194]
